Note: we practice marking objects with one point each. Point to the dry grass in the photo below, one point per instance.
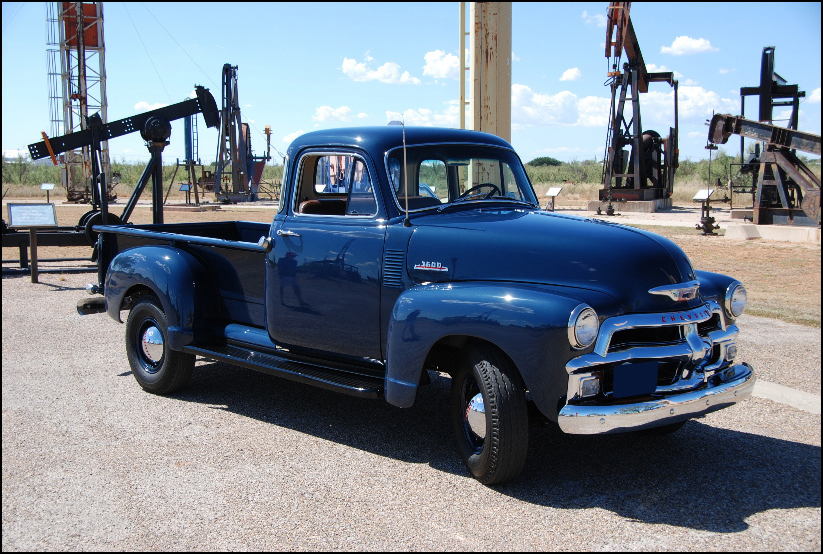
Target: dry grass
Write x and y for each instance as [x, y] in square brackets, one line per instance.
[579, 194]
[782, 279]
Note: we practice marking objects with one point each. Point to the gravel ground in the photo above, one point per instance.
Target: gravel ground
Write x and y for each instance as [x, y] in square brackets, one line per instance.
[245, 461]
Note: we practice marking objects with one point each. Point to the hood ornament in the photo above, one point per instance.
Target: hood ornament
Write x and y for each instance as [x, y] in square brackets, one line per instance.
[679, 292]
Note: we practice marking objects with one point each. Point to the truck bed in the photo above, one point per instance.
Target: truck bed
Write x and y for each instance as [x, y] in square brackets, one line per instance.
[228, 248]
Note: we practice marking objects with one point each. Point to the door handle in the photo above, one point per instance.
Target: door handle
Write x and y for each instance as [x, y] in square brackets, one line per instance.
[282, 233]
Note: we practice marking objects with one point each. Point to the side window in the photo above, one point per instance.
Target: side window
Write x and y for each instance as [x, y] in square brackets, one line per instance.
[510, 187]
[334, 184]
[433, 180]
[361, 193]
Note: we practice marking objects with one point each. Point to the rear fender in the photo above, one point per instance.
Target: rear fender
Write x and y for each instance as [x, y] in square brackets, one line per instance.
[177, 278]
[528, 323]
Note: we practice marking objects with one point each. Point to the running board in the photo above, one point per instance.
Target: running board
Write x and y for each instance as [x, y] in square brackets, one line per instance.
[361, 386]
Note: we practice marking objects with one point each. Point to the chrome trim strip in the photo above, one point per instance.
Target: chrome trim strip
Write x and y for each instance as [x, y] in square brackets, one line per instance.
[681, 349]
[577, 367]
[613, 324]
[729, 387]
[678, 292]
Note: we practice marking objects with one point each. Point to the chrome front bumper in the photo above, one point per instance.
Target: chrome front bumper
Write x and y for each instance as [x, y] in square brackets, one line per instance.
[723, 389]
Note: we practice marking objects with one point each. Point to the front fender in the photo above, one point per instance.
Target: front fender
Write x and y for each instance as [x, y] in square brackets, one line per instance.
[713, 286]
[176, 277]
[527, 322]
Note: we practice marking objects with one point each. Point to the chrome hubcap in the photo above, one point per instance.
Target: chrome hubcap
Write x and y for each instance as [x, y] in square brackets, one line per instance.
[152, 343]
[476, 416]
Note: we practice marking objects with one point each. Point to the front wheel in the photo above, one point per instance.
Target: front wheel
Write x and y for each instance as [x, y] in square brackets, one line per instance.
[157, 368]
[490, 416]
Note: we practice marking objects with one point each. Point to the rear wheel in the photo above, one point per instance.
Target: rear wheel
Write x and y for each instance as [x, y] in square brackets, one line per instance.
[157, 368]
[490, 416]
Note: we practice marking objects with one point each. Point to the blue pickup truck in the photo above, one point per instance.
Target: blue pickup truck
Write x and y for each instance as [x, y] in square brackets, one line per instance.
[395, 252]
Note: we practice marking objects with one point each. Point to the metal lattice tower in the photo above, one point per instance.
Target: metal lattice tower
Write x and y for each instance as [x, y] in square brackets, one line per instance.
[76, 59]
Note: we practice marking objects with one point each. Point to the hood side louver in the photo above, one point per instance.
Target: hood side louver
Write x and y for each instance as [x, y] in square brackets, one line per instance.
[394, 263]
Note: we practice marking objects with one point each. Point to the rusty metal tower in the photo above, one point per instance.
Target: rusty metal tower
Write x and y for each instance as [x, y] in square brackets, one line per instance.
[76, 59]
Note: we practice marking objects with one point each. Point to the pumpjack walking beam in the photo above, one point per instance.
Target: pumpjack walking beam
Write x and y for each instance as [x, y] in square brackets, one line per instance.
[154, 127]
[779, 168]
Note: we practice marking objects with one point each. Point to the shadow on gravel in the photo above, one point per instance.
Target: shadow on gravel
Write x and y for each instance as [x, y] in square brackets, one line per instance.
[53, 287]
[701, 477]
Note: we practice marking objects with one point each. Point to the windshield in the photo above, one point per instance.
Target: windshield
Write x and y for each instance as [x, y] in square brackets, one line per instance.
[446, 174]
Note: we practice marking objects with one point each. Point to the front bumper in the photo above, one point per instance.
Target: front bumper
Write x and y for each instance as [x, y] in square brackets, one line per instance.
[723, 389]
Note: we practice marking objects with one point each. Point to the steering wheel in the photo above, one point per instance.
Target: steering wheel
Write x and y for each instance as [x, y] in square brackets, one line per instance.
[491, 193]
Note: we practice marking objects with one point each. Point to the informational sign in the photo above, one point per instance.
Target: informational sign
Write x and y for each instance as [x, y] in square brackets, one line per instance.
[47, 186]
[185, 188]
[552, 194]
[703, 195]
[30, 216]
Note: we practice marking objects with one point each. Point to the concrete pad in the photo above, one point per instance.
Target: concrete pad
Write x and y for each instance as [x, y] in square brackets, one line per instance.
[773, 232]
[789, 234]
[742, 213]
[784, 395]
[639, 206]
[742, 232]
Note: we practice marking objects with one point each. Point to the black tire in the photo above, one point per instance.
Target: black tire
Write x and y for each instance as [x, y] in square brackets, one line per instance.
[157, 368]
[500, 454]
[664, 430]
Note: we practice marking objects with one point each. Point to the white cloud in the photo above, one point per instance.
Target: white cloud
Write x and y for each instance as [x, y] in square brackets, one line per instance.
[514, 57]
[426, 117]
[814, 97]
[564, 108]
[654, 68]
[327, 113]
[146, 107]
[362, 115]
[291, 136]
[572, 74]
[388, 73]
[593, 111]
[723, 70]
[247, 106]
[693, 103]
[695, 134]
[596, 20]
[441, 65]
[686, 45]
[13, 154]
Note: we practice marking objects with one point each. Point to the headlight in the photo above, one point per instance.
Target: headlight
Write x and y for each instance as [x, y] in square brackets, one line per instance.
[735, 299]
[583, 327]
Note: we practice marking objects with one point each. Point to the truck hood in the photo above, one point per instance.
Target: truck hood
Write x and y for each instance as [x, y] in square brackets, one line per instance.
[527, 246]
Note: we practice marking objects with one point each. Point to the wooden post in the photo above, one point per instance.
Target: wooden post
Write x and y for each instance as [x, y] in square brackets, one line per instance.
[33, 247]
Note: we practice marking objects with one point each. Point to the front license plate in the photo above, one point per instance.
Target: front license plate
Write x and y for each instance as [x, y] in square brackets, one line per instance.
[634, 379]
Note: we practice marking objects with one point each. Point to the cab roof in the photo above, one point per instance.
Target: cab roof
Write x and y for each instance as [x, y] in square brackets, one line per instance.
[382, 139]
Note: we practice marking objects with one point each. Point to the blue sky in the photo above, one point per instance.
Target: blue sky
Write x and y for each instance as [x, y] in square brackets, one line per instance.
[306, 66]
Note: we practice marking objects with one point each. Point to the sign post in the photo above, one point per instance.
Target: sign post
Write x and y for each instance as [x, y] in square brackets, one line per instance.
[31, 217]
[47, 187]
